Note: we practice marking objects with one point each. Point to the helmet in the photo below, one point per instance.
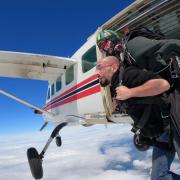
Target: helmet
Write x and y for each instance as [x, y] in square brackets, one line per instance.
[106, 41]
[107, 35]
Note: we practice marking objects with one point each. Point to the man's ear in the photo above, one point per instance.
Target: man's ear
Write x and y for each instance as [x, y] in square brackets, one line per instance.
[115, 67]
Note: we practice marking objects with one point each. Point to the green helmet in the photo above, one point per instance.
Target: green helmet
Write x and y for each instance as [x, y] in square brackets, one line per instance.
[107, 35]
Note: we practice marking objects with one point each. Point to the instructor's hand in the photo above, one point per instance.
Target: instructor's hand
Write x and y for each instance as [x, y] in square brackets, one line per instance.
[123, 93]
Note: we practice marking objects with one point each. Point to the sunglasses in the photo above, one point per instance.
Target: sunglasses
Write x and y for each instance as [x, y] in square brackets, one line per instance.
[100, 67]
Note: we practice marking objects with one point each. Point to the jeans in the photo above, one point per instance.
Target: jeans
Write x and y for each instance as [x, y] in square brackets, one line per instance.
[176, 142]
[162, 159]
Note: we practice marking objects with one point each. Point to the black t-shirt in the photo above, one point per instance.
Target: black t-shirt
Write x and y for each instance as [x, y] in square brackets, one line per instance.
[134, 77]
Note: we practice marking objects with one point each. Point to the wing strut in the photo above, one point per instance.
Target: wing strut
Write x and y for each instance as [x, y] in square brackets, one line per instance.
[46, 113]
[43, 126]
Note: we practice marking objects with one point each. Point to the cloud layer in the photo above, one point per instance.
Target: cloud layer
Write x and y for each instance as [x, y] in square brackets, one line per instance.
[93, 153]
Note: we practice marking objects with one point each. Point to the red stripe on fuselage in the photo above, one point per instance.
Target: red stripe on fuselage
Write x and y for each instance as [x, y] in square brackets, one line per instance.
[90, 91]
[73, 88]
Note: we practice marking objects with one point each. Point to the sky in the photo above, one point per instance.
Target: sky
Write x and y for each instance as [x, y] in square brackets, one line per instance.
[54, 27]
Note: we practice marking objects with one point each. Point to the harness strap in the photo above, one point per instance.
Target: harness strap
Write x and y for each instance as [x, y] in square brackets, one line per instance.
[143, 120]
[175, 67]
[162, 145]
[121, 73]
[154, 142]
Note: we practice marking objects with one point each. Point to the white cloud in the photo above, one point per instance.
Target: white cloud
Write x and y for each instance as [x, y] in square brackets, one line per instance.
[93, 153]
[119, 154]
[115, 175]
[142, 164]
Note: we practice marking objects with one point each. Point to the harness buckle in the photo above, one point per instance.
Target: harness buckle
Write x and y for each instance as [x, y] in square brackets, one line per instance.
[135, 130]
[164, 115]
[174, 75]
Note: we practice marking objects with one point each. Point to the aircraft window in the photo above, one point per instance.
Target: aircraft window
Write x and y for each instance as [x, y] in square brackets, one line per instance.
[89, 59]
[48, 95]
[69, 75]
[52, 89]
[58, 84]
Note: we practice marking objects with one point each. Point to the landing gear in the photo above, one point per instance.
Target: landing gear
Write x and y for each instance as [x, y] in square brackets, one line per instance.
[35, 159]
[35, 163]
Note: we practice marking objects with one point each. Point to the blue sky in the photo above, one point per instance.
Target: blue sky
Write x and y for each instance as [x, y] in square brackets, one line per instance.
[56, 27]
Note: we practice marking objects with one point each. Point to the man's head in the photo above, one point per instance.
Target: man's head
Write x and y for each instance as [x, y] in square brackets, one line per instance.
[106, 68]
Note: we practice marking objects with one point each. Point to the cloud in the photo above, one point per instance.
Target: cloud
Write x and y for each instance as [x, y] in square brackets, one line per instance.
[93, 153]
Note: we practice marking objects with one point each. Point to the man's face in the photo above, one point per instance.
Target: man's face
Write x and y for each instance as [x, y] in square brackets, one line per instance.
[105, 71]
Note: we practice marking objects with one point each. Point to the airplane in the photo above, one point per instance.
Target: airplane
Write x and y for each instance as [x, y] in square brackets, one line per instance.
[74, 95]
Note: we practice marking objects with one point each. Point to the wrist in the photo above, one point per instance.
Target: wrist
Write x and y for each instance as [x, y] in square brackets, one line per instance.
[131, 93]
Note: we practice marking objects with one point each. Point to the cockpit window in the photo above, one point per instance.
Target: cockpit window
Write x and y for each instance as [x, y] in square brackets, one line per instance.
[89, 59]
[58, 84]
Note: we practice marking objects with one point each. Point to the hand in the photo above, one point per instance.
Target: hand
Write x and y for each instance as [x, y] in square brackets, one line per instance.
[123, 93]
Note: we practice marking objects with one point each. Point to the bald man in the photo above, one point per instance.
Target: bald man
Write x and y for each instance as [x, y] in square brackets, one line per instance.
[109, 67]
[137, 84]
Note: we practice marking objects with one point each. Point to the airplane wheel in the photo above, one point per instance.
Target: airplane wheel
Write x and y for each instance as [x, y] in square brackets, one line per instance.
[58, 141]
[35, 163]
[140, 145]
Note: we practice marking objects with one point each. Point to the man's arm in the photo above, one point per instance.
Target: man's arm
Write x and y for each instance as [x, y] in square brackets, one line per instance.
[150, 88]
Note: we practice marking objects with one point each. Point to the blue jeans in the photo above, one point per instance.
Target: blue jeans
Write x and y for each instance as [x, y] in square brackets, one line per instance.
[176, 142]
[162, 159]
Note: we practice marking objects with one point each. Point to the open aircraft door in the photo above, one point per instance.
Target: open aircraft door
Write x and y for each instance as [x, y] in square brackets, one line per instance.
[105, 91]
[111, 115]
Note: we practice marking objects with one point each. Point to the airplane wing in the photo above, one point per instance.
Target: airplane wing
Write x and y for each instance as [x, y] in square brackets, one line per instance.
[32, 66]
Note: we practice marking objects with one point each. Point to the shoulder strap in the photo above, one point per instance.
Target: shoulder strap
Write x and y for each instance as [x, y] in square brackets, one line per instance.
[121, 74]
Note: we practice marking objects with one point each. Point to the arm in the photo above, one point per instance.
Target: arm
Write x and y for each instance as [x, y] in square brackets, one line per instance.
[150, 88]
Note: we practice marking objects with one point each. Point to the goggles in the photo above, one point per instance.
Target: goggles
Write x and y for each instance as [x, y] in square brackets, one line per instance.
[109, 48]
[105, 45]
